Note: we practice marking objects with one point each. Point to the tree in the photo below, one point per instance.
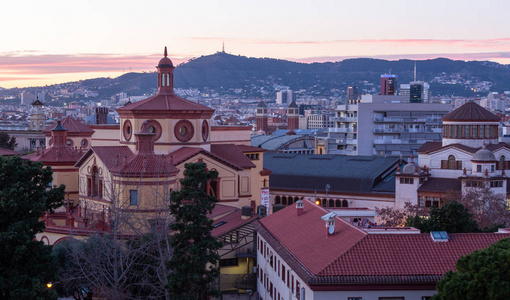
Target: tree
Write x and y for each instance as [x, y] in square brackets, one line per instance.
[484, 274]
[26, 265]
[194, 262]
[389, 216]
[488, 208]
[451, 217]
[129, 260]
[7, 142]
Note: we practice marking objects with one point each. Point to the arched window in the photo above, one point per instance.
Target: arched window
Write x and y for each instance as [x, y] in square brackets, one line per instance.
[324, 202]
[277, 200]
[338, 203]
[451, 163]
[167, 79]
[296, 199]
[95, 182]
[284, 200]
[345, 203]
[162, 79]
[290, 202]
[501, 164]
[331, 203]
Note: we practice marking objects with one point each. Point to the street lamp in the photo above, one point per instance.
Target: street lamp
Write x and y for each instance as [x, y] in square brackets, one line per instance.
[49, 285]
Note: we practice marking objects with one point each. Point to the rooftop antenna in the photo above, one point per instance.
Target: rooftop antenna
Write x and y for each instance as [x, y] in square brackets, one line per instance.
[415, 70]
[223, 47]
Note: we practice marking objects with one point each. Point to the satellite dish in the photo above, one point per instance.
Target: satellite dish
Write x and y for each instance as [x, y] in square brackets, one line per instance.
[331, 229]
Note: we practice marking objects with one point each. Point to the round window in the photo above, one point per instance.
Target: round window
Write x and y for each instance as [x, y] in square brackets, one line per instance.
[69, 143]
[205, 130]
[155, 127]
[126, 130]
[184, 130]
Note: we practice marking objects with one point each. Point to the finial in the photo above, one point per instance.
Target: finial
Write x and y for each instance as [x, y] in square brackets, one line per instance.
[166, 53]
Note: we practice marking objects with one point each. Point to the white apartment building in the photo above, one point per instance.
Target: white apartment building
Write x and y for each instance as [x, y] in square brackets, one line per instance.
[383, 125]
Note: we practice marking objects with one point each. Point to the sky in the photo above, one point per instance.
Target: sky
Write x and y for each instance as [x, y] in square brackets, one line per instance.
[54, 41]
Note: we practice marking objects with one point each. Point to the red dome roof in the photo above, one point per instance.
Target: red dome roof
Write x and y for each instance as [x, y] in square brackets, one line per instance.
[165, 61]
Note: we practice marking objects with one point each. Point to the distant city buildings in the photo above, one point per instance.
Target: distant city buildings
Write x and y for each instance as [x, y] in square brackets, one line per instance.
[285, 97]
[389, 84]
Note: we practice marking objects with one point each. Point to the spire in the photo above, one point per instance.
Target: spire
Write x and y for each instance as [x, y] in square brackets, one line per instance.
[223, 48]
[166, 54]
[414, 70]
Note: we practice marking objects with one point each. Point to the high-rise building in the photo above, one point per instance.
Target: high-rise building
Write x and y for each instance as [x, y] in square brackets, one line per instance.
[388, 84]
[415, 92]
[352, 93]
[285, 97]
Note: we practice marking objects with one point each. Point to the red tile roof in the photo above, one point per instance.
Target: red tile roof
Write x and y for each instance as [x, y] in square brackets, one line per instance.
[305, 235]
[165, 102]
[111, 156]
[246, 148]
[220, 210]
[56, 155]
[185, 153]
[8, 152]
[407, 254]
[429, 146]
[145, 165]
[72, 125]
[351, 256]
[471, 111]
[440, 185]
[233, 154]
[232, 221]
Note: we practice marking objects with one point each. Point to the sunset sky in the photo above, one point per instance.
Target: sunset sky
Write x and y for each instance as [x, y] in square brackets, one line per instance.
[47, 42]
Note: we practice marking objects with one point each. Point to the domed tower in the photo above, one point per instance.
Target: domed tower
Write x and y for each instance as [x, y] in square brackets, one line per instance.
[470, 125]
[484, 173]
[261, 116]
[293, 116]
[175, 121]
[37, 117]
[407, 182]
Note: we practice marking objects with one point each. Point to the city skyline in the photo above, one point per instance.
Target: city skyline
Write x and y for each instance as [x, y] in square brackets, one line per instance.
[58, 41]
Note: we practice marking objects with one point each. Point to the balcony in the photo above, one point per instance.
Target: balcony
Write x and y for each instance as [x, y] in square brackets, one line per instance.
[399, 120]
[342, 130]
[344, 119]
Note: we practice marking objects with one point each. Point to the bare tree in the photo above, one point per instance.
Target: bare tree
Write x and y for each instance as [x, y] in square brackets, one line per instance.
[488, 208]
[127, 258]
[392, 217]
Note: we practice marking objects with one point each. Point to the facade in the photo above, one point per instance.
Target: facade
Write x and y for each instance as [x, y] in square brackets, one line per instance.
[132, 168]
[415, 92]
[307, 252]
[387, 126]
[285, 97]
[468, 157]
[335, 181]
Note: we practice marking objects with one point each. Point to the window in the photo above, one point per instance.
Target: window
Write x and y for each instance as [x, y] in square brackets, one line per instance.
[95, 182]
[406, 180]
[133, 197]
[451, 163]
[479, 168]
[283, 273]
[100, 189]
[496, 183]
[355, 298]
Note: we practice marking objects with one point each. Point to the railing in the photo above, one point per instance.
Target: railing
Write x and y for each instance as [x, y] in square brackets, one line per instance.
[344, 130]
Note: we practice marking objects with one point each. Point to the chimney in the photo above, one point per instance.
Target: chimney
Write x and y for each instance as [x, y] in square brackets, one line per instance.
[300, 207]
[245, 212]
[101, 115]
[144, 140]
[330, 223]
[58, 136]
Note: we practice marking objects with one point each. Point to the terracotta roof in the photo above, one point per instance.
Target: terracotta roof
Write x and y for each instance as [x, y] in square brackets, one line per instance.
[351, 256]
[8, 152]
[72, 125]
[165, 102]
[111, 156]
[146, 165]
[429, 146]
[56, 155]
[233, 154]
[231, 221]
[440, 185]
[305, 235]
[471, 111]
[400, 255]
[246, 148]
[220, 210]
[185, 153]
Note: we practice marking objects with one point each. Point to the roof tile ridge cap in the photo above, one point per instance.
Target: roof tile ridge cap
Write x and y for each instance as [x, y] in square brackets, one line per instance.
[348, 250]
[303, 267]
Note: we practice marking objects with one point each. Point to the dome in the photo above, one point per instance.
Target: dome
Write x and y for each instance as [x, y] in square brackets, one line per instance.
[411, 168]
[484, 155]
[165, 61]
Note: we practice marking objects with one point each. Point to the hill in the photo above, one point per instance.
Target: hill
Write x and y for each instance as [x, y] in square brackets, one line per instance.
[224, 73]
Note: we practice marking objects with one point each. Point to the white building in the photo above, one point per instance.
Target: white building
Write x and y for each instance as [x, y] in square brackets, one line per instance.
[469, 156]
[306, 252]
[383, 125]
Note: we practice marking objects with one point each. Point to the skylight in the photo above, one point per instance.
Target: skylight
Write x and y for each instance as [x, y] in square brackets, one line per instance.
[439, 236]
